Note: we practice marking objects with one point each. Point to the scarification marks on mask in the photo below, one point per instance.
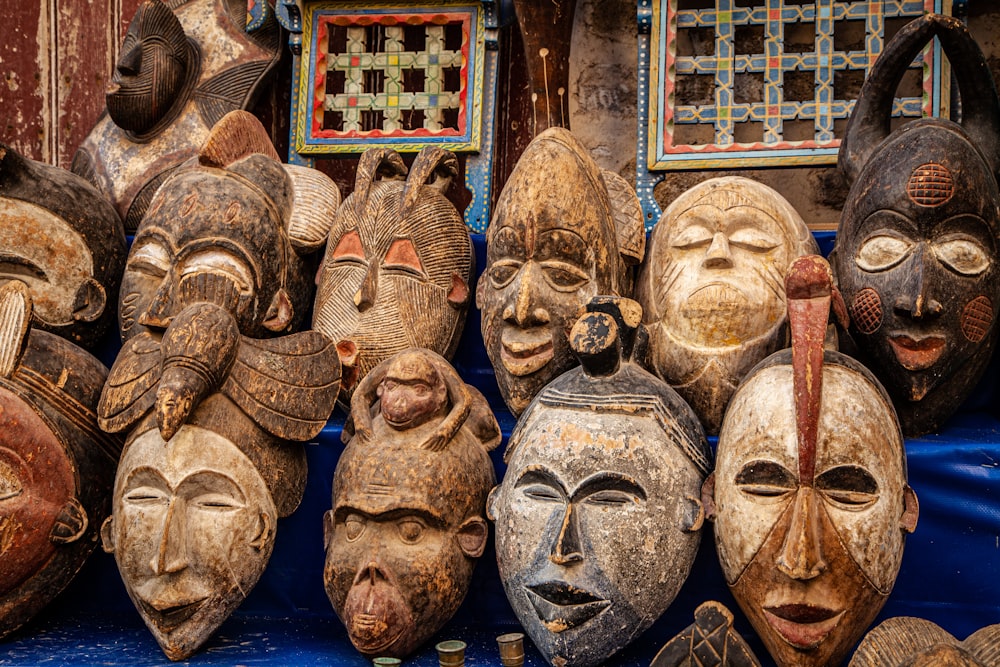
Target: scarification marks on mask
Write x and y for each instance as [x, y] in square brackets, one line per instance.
[930, 184]
[977, 316]
[866, 311]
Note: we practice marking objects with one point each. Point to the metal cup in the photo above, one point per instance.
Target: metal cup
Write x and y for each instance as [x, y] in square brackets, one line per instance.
[387, 662]
[451, 653]
[511, 649]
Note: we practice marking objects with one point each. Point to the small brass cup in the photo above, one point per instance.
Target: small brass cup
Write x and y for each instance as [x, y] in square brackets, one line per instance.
[451, 653]
[511, 649]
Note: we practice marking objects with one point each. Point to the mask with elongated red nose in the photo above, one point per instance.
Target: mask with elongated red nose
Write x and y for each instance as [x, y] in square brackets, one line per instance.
[809, 494]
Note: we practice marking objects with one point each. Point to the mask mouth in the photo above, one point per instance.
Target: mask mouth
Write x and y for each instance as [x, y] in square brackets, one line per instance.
[917, 354]
[803, 626]
[525, 352]
[167, 615]
[562, 606]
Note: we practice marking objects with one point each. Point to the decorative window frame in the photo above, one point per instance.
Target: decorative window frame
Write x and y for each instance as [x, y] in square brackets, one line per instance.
[309, 23]
[660, 66]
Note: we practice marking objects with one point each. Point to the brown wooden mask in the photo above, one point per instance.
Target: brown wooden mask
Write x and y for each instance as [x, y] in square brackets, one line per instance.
[180, 71]
[56, 466]
[905, 641]
[65, 242]
[600, 497]
[711, 641]
[207, 468]
[397, 266]
[409, 496]
[225, 228]
[712, 287]
[555, 241]
[809, 494]
[916, 254]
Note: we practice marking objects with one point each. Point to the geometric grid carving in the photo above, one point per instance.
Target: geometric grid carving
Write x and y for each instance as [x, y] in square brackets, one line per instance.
[739, 83]
[390, 75]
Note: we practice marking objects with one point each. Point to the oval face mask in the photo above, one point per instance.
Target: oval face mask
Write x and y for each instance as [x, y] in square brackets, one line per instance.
[555, 241]
[712, 287]
[916, 254]
[600, 498]
[809, 493]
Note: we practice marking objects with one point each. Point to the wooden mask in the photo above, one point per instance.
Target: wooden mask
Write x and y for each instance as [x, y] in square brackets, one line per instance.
[905, 641]
[600, 497]
[228, 227]
[56, 465]
[409, 496]
[916, 254]
[712, 287]
[184, 64]
[809, 493]
[563, 232]
[711, 641]
[397, 266]
[64, 240]
[207, 468]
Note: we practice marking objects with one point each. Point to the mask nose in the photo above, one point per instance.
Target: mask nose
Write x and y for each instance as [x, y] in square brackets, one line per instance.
[718, 255]
[916, 299]
[523, 311]
[171, 555]
[801, 555]
[372, 573]
[365, 296]
[159, 312]
[566, 549]
[130, 63]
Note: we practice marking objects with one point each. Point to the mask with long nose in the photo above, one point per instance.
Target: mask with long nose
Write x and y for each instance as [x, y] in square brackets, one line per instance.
[809, 494]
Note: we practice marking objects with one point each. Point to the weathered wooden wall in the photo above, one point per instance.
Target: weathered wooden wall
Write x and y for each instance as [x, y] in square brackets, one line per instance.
[55, 60]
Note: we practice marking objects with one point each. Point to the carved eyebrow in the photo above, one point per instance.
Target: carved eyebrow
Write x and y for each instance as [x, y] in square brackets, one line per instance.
[608, 481]
[393, 514]
[540, 475]
[210, 481]
[146, 476]
[22, 265]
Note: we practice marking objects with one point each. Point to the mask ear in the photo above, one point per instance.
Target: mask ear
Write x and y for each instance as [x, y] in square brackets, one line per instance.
[708, 497]
[90, 301]
[108, 535]
[472, 536]
[491, 502]
[328, 525]
[695, 517]
[265, 532]
[71, 523]
[280, 313]
[480, 288]
[458, 296]
[911, 510]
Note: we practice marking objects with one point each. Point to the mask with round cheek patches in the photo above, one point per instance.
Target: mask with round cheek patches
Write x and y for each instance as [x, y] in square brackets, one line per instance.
[233, 228]
[905, 641]
[712, 287]
[916, 254]
[598, 517]
[182, 67]
[63, 240]
[397, 266]
[563, 232]
[208, 467]
[56, 466]
[810, 517]
[400, 544]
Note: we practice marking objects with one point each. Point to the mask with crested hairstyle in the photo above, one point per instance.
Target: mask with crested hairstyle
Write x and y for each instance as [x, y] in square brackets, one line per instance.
[600, 497]
[563, 232]
[809, 493]
[207, 469]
